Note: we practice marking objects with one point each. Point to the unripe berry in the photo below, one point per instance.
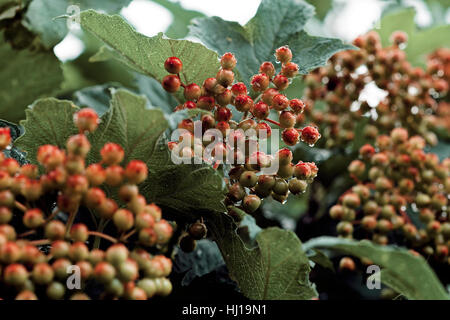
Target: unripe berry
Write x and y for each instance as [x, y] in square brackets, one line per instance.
[107, 208]
[347, 263]
[33, 218]
[15, 274]
[94, 197]
[290, 136]
[283, 54]
[60, 249]
[399, 135]
[310, 135]
[281, 82]
[173, 65]
[210, 85]
[357, 168]
[50, 156]
[287, 119]
[154, 210]
[128, 270]
[171, 83]
[337, 212]
[280, 102]
[42, 273]
[112, 153]
[55, 230]
[78, 251]
[344, 227]
[228, 61]
[137, 204]
[26, 295]
[77, 184]
[261, 110]
[163, 231]
[289, 70]
[260, 82]
[206, 103]
[351, 200]
[144, 220]
[243, 103]
[104, 272]
[123, 219]
[284, 156]
[192, 91]
[267, 68]
[263, 130]
[5, 215]
[86, 120]
[224, 98]
[267, 96]
[78, 145]
[30, 171]
[96, 256]
[198, 231]
[114, 175]
[136, 171]
[297, 186]
[369, 223]
[148, 237]
[384, 225]
[5, 137]
[251, 203]
[55, 291]
[281, 187]
[225, 77]
[60, 268]
[248, 179]
[117, 254]
[79, 232]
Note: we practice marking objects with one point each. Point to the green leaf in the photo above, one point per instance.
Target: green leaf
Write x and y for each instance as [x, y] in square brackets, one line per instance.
[155, 94]
[277, 269]
[276, 23]
[95, 97]
[26, 75]
[40, 15]
[322, 7]
[186, 188]
[181, 18]
[320, 258]
[413, 276]
[394, 21]
[147, 55]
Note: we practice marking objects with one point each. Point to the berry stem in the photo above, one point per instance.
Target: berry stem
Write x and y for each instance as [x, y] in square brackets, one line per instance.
[29, 232]
[102, 235]
[129, 234]
[273, 121]
[20, 206]
[71, 220]
[101, 226]
[39, 242]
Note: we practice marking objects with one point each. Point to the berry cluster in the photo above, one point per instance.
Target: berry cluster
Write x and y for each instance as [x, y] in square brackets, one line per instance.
[401, 194]
[222, 97]
[411, 93]
[41, 246]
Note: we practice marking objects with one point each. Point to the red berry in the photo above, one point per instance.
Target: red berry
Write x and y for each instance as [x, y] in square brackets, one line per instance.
[347, 263]
[5, 215]
[238, 89]
[225, 77]
[136, 171]
[95, 174]
[78, 145]
[399, 37]
[367, 151]
[189, 105]
[86, 120]
[79, 232]
[210, 85]
[280, 102]
[107, 208]
[289, 69]
[281, 82]
[173, 65]
[302, 171]
[163, 231]
[310, 135]
[192, 91]
[228, 61]
[148, 237]
[78, 252]
[268, 95]
[222, 114]
[267, 68]
[104, 272]
[171, 83]
[263, 130]
[290, 136]
[283, 54]
[112, 153]
[243, 103]
[297, 105]
[206, 103]
[30, 171]
[42, 273]
[260, 82]
[5, 137]
[261, 110]
[33, 218]
[50, 156]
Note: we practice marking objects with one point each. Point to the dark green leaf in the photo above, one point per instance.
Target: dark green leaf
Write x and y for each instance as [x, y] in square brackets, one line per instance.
[152, 89]
[277, 268]
[276, 23]
[95, 97]
[413, 276]
[320, 258]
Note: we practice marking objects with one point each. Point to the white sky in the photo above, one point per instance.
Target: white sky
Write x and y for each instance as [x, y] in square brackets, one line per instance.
[353, 18]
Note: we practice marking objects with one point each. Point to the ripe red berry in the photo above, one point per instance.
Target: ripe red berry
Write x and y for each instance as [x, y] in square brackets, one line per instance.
[367, 151]
[261, 110]
[228, 61]
[310, 135]
[50, 156]
[302, 171]
[5, 137]
[267, 68]
[95, 174]
[136, 171]
[281, 82]
[163, 231]
[192, 91]
[86, 120]
[398, 37]
[112, 153]
[259, 82]
[347, 263]
[171, 83]
[189, 105]
[297, 105]
[290, 136]
[30, 171]
[243, 103]
[289, 69]
[222, 114]
[78, 145]
[173, 65]
[238, 89]
[210, 85]
[283, 54]
[280, 102]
